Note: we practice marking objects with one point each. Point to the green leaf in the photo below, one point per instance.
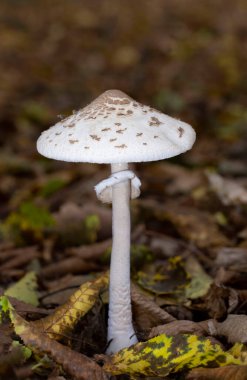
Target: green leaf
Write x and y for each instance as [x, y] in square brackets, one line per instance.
[52, 187]
[200, 281]
[29, 219]
[25, 289]
[91, 226]
[26, 352]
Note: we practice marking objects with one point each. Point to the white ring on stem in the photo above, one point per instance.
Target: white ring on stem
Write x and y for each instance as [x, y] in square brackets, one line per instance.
[104, 188]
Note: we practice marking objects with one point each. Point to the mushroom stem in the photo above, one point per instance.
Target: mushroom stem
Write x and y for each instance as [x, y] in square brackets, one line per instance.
[120, 329]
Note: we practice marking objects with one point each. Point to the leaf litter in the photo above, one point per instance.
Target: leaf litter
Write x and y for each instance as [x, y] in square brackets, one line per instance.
[192, 210]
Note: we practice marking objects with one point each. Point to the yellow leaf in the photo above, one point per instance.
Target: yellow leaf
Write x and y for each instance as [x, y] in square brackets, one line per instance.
[164, 354]
[65, 317]
[78, 366]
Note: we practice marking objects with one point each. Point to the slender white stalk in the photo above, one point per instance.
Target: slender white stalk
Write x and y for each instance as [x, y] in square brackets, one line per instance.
[120, 329]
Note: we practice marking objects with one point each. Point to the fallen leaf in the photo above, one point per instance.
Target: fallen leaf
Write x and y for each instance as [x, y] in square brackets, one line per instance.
[231, 257]
[68, 265]
[200, 281]
[220, 300]
[230, 192]
[230, 372]
[165, 354]
[146, 313]
[163, 277]
[25, 289]
[234, 328]
[177, 327]
[92, 251]
[65, 316]
[78, 366]
[196, 226]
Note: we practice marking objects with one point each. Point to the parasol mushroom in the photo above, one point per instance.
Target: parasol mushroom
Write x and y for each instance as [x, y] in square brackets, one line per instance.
[117, 130]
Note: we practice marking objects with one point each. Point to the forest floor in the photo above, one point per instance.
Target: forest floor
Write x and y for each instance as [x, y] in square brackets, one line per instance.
[189, 230]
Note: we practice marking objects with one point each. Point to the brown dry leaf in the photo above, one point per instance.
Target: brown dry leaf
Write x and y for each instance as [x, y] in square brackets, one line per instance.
[220, 301]
[231, 278]
[59, 291]
[231, 372]
[19, 257]
[197, 226]
[234, 328]
[68, 265]
[177, 179]
[230, 192]
[146, 312]
[92, 251]
[177, 327]
[14, 357]
[70, 219]
[232, 257]
[78, 366]
[165, 246]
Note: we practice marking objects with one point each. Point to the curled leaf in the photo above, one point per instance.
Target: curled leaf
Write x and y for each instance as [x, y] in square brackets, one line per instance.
[78, 366]
[146, 312]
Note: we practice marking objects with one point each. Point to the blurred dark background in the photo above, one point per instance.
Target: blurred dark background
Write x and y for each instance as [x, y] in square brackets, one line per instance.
[185, 57]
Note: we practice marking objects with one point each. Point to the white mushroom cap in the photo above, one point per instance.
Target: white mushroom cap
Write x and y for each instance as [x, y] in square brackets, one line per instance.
[114, 128]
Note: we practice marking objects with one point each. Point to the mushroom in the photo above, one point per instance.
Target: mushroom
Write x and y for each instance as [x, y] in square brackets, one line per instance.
[117, 130]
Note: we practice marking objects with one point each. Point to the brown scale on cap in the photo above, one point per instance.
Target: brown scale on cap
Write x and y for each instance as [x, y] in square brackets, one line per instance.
[118, 124]
[111, 140]
[95, 137]
[139, 134]
[181, 131]
[105, 129]
[120, 146]
[73, 141]
[120, 131]
[155, 122]
[58, 133]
